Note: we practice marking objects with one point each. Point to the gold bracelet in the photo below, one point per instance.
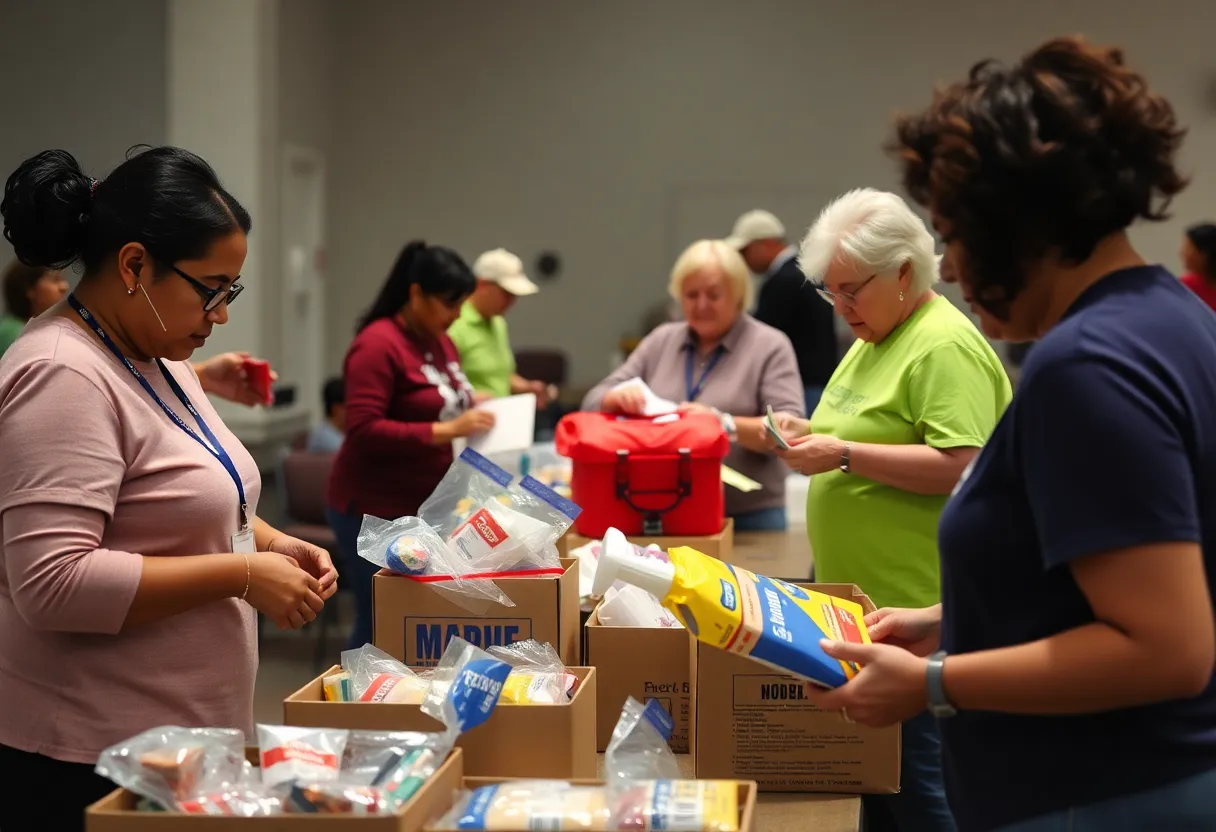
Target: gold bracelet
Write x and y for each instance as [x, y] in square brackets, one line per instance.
[248, 575]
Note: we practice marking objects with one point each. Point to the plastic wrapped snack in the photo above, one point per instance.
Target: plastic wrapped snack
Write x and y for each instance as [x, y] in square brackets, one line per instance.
[169, 765]
[289, 754]
[410, 547]
[530, 804]
[689, 805]
[538, 675]
[375, 676]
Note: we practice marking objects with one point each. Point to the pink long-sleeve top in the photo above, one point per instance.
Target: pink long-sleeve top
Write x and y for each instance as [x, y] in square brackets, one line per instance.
[93, 477]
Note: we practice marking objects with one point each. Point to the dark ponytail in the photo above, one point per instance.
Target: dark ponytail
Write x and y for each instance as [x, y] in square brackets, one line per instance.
[167, 199]
[437, 270]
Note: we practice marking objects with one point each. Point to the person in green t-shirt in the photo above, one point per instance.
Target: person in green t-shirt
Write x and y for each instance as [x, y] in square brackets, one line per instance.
[28, 292]
[480, 333]
[902, 417]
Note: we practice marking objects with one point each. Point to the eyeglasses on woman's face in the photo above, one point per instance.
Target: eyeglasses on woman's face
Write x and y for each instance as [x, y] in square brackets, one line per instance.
[212, 298]
[849, 299]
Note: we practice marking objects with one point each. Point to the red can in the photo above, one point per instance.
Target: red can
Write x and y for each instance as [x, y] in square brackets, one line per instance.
[651, 477]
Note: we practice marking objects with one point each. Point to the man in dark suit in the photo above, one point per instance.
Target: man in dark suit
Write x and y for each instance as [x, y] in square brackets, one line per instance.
[787, 301]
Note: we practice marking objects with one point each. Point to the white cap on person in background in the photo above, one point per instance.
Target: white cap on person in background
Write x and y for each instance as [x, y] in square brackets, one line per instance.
[753, 226]
[504, 268]
[618, 562]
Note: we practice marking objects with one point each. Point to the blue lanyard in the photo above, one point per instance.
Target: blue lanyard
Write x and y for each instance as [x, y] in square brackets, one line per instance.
[695, 390]
[215, 448]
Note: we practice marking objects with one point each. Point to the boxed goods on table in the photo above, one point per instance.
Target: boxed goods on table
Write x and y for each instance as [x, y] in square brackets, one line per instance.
[479, 561]
[758, 645]
[545, 707]
[203, 775]
[644, 476]
[639, 649]
[643, 790]
[779, 739]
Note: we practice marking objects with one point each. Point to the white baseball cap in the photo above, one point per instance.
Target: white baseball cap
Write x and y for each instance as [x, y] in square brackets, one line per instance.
[753, 226]
[504, 268]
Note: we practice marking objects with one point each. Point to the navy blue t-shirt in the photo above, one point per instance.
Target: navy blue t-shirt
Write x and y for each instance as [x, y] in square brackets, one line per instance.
[1110, 442]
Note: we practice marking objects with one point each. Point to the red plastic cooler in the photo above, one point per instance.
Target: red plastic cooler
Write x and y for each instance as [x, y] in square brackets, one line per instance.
[644, 476]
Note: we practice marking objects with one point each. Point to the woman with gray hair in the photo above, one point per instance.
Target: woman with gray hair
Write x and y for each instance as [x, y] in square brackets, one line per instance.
[905, 412]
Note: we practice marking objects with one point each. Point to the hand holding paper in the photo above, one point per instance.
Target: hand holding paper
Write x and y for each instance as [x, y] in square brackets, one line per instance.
[770, 427]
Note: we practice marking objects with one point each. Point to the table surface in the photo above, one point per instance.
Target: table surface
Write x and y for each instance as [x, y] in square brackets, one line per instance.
[795, 812]
[774, 554]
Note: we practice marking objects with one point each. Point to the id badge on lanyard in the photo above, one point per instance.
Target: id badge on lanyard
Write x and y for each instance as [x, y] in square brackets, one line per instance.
[242, 540]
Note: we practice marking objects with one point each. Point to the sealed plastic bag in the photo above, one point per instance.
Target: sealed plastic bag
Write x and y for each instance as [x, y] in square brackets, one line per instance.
[396, 762]
[638, 749]
[411, 547]
[290, 753]
[337, 798]
[170, 765]
[465, 686]
[375, 676]
[496, 525]
[538, 675]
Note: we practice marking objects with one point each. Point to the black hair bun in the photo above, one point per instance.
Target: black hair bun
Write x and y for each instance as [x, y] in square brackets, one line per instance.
[45, 208]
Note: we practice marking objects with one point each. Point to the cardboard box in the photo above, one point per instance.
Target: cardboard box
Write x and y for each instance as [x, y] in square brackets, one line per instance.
[720, 545]
[749, 721]
[747, 801]
[116, 812]
[645, 663]
[414, 622]
[556, 741]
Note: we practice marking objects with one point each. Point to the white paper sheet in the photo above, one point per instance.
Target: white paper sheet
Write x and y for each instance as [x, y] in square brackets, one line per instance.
[654, 405]
[514, 425]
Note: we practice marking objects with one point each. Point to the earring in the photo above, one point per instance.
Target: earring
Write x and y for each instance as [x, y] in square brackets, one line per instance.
[131, 290]
[901, 295]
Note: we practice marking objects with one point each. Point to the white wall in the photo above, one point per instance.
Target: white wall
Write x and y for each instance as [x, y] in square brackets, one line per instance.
[614, 132]
[80, 75]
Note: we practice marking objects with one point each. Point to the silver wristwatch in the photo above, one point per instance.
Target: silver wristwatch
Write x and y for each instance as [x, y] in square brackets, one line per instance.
[939, 705]
[728, 425]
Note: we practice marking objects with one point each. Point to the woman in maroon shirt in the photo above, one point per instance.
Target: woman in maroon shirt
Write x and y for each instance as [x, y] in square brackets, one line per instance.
[406, 400]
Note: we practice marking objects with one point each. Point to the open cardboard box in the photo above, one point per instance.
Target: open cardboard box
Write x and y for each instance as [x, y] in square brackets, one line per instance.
[645, 663]
[747, 800]
[555, 741]
[414, 622]
[750, 721]
[720, 545]
[116, 811]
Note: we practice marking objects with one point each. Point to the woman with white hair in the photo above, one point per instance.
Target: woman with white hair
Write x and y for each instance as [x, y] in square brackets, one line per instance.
[906, 411]
[722, 360]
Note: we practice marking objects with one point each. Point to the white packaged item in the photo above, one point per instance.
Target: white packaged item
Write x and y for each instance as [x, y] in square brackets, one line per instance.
[630, 606]
[290, 753]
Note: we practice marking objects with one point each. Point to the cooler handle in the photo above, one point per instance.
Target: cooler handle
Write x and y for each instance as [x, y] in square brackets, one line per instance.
[652, 518]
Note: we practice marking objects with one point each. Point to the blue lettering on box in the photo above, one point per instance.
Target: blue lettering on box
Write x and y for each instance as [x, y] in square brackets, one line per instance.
[427, 638]
[729, 601]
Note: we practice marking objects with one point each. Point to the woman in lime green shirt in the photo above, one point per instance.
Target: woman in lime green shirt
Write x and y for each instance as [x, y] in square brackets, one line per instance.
[28, 292]
[906, 411]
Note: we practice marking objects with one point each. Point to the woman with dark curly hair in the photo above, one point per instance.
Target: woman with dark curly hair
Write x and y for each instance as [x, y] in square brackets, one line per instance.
[1199, 260]
[1071, 658]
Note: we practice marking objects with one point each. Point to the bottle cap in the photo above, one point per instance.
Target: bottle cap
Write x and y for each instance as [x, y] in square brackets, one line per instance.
[619, 562]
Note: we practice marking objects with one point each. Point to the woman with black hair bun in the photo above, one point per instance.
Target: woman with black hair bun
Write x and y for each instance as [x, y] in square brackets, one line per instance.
[1070, 662]
[131, 551]
[1199, 260]
[406, 401]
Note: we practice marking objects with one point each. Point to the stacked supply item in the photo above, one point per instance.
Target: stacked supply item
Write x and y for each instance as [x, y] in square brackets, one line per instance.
[774, 622]
[644, 791]
[308, 770]
[477, 525]
[537, 676]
